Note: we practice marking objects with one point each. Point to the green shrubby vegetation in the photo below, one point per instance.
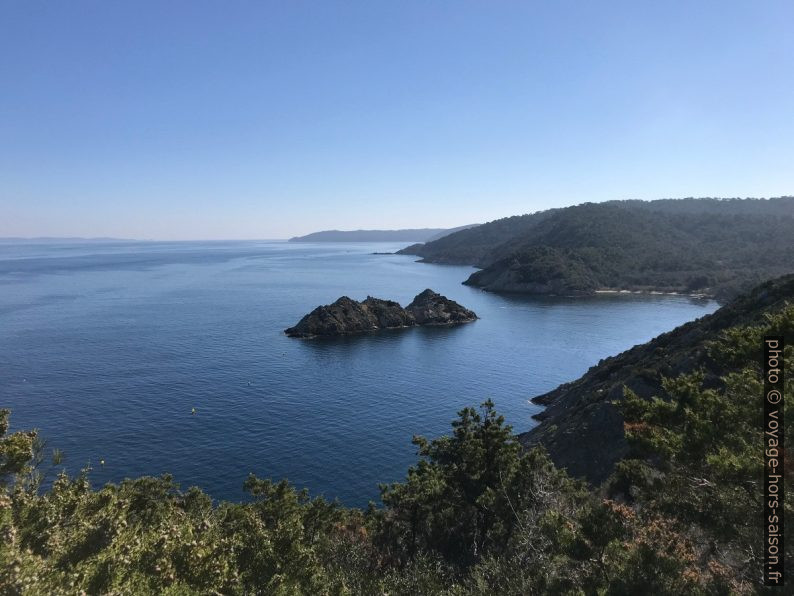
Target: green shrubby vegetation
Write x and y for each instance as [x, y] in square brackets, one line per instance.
[477, 514]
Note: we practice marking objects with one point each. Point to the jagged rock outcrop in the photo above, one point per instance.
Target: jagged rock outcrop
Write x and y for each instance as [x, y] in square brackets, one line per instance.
[348, 317]
[431, 308]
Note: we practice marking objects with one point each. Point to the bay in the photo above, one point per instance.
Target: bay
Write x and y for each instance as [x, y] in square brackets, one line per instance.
[107, 347]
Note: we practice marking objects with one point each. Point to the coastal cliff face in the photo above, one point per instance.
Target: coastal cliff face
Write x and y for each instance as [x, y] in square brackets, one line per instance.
[582, 428]
[349, 317]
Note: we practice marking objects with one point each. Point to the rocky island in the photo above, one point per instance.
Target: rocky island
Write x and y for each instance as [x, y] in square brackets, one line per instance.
[347, 316]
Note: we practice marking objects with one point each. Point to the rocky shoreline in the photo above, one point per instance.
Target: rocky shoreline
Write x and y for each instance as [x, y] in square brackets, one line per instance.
[581, 427]
[349, 317]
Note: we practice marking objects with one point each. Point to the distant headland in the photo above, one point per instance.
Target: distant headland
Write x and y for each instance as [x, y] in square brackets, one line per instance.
[406, 235]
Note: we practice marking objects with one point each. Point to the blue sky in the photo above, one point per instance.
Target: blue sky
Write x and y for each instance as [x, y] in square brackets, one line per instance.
[178, 120]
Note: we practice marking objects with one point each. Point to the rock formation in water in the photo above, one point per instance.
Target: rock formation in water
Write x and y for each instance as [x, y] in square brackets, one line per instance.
[431, 308]
[348, 317]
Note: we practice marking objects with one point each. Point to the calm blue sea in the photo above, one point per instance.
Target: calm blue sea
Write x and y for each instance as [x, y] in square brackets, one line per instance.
[107, 347]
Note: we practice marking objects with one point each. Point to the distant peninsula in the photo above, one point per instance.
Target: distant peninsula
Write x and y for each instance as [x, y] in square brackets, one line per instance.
[407, 235]
[349, 317]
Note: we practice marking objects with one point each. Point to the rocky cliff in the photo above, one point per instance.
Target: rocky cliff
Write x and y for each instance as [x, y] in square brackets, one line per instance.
[348, 317]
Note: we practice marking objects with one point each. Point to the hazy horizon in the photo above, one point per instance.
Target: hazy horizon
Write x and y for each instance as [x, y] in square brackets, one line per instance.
[286, 238]
[241, 121]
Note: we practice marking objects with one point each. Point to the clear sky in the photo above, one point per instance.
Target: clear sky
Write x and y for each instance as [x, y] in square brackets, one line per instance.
[265, 119]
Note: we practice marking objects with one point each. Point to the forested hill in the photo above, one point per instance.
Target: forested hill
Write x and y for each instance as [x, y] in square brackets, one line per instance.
[717, 247]
[582, 427]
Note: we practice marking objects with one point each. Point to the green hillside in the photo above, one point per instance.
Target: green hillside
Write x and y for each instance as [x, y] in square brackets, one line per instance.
[700, 246]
